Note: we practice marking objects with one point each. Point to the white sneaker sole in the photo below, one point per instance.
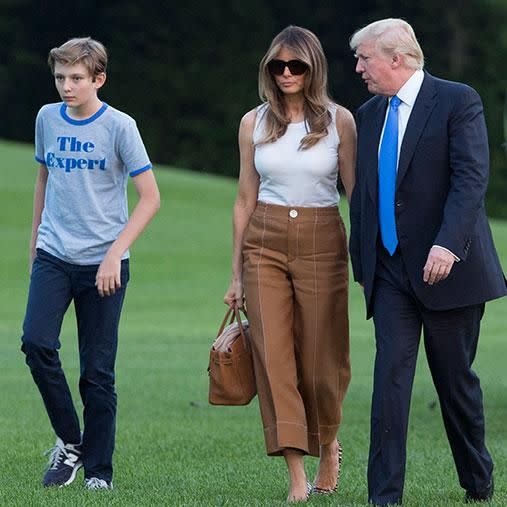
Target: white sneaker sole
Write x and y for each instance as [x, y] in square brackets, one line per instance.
[70, 480]
[108, 488]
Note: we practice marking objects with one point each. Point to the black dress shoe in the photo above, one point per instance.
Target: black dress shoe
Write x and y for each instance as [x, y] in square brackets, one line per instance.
[484, 495]
[388, 504]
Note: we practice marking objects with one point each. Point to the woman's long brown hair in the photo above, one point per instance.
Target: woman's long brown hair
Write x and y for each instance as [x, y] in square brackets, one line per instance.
[306, 47]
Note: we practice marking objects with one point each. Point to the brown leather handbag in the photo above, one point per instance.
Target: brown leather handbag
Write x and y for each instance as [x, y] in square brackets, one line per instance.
[230, 369]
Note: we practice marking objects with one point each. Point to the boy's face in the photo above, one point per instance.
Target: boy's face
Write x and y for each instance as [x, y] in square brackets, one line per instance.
[75, 84]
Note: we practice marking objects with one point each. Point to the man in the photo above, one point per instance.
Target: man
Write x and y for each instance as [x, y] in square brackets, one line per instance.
[422, 249]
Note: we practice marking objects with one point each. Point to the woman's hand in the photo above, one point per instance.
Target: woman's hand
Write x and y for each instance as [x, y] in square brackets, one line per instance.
[234, 295]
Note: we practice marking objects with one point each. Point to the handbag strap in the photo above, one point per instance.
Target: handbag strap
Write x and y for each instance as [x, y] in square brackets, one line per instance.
[237, 314]
[230, 315]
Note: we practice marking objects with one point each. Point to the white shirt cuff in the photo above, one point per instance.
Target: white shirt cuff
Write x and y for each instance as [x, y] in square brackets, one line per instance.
[456, 258]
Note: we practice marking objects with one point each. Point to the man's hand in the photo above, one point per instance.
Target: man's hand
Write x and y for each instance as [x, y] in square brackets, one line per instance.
[108, 275]
[438, 265]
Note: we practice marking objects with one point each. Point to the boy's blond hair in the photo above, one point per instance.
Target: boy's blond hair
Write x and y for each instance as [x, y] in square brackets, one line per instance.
[83, 50]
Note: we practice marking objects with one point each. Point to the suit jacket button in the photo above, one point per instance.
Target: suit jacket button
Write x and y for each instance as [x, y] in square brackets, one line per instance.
[399, 204]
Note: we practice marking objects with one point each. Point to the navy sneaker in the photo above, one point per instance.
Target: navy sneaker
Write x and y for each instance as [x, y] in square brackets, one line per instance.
[94, 483]
[64, 463]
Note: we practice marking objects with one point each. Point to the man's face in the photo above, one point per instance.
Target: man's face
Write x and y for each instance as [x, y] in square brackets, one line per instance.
[376, 69]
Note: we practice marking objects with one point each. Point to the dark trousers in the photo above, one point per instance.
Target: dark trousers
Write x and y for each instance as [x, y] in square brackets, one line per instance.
[450, 340]
[53, 285]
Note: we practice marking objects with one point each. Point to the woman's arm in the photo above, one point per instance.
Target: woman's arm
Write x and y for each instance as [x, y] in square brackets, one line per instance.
[248, 189]
[346, 127]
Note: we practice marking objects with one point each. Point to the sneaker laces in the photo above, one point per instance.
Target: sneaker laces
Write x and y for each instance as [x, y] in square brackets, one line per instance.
[56, 454]
[96, 483]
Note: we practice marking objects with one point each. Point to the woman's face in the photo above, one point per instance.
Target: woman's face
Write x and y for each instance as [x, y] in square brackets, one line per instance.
[289, 84]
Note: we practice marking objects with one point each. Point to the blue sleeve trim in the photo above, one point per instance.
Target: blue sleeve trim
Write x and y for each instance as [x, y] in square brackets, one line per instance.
[40, 160]
[139, 171]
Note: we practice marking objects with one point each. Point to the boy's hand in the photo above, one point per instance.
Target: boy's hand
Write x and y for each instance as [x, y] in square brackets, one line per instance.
[108, 278]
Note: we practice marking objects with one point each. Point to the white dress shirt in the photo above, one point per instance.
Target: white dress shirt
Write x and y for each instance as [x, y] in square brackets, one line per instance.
[408, 95]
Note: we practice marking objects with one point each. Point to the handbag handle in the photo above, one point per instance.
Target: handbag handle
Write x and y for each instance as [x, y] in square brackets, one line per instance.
[240, 324]
[226, 321]
[230, 315]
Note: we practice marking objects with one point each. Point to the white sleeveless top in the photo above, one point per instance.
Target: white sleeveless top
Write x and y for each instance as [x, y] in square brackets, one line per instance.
[292, 177]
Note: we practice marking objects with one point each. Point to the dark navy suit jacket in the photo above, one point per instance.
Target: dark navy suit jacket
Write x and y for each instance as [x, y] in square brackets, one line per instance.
[441, 184]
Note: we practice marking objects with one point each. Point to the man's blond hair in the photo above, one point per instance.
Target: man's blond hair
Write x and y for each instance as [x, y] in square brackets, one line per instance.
[392, 36]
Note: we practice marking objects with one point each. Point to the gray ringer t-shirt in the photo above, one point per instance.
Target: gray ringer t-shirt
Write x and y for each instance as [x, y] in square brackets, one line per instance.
[89, 162]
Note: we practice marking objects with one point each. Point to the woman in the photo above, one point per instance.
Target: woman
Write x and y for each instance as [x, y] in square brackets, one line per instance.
[290, 256]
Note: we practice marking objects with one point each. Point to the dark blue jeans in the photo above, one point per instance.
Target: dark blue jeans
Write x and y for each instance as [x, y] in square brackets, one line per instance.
[53, 285]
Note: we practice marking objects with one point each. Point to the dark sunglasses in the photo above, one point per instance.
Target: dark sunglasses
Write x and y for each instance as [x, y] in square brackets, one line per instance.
[296, 67]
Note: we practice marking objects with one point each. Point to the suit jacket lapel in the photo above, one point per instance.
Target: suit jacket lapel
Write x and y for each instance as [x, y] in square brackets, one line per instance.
[379, 114]
[424, 104]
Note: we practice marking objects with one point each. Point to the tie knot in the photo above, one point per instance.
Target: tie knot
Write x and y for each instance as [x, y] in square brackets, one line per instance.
[395, 102]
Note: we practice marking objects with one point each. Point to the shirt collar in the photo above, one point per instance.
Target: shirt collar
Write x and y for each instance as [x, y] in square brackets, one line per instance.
[409, 91]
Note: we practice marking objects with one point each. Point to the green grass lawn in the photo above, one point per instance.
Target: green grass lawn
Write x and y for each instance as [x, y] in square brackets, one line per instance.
[172, 447]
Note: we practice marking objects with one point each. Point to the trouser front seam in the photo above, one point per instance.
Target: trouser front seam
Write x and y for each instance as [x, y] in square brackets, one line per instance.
[316, 321]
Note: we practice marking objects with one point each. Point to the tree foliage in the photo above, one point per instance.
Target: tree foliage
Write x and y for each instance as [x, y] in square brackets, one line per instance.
[187, 70]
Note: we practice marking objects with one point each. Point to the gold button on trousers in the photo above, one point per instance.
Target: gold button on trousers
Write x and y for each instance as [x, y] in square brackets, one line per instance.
[295, 275]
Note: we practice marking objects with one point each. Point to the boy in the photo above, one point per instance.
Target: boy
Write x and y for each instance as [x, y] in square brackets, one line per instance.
[81, 234]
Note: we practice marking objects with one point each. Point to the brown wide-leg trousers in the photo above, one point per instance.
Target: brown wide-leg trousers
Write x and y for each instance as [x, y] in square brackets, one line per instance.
[295, 276]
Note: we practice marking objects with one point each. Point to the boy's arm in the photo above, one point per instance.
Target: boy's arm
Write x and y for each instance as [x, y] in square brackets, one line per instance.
[38, 205]
[108, 274]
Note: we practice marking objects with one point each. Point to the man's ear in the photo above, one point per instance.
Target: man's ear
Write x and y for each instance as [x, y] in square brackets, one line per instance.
[396, 60]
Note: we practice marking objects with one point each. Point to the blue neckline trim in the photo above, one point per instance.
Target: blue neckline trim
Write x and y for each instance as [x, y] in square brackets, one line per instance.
[72, 121]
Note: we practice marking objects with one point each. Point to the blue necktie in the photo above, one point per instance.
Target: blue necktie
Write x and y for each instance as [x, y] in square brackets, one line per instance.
[387, 164]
